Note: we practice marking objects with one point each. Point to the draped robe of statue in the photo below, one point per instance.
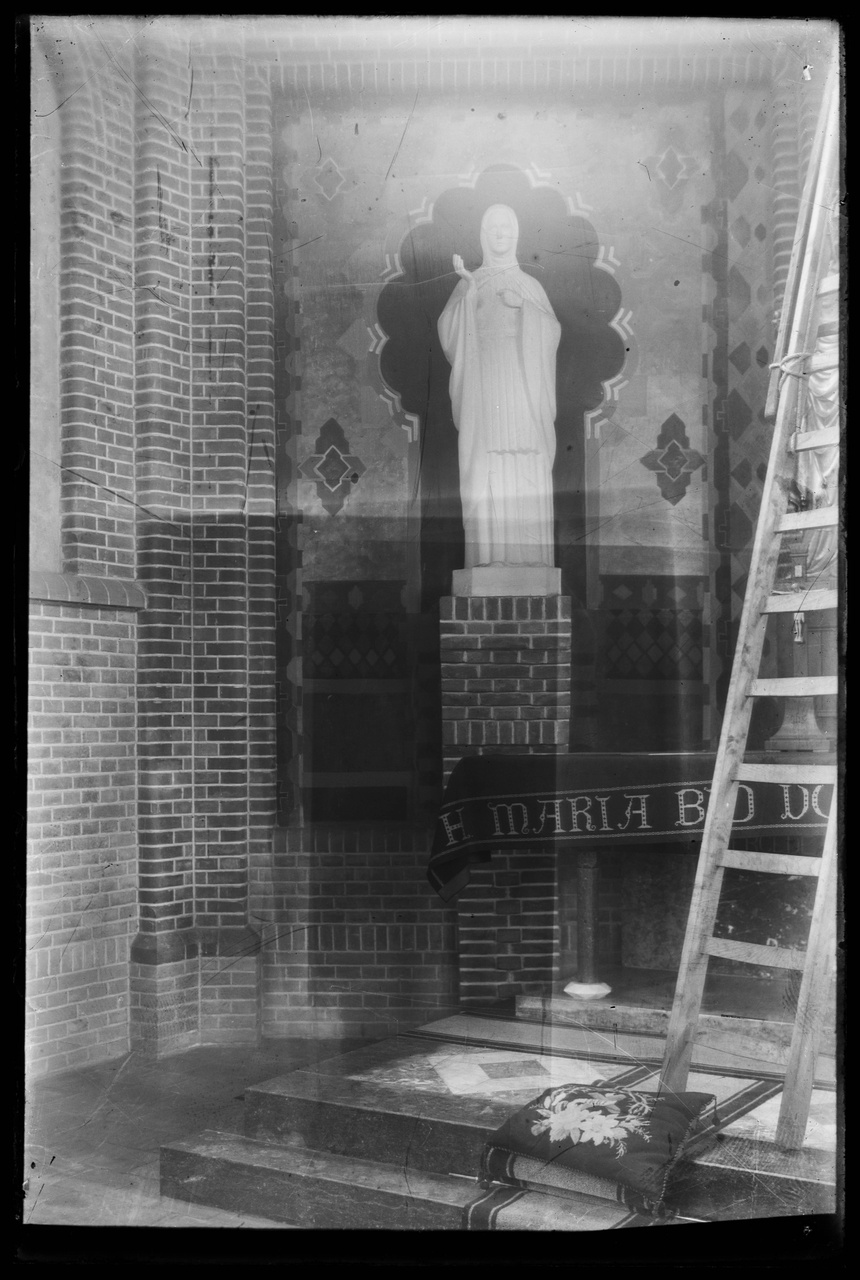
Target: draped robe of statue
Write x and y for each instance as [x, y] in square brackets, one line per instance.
[818, 469]
[500, 339]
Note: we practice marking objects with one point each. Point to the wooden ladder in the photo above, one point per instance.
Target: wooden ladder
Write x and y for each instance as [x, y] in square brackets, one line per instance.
[786, 396]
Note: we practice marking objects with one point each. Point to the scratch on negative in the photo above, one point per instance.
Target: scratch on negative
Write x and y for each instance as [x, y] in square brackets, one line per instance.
[42, 115]
[403, 134]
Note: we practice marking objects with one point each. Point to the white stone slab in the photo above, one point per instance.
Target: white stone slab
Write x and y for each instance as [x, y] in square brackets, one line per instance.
[507, 580]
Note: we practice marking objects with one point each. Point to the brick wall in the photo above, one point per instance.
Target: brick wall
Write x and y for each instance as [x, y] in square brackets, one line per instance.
[82, 851]
[207, 540]
[358, 944]
[82, 839]
[508, 931]
[164, 972]
[96, 255]
[167, 411]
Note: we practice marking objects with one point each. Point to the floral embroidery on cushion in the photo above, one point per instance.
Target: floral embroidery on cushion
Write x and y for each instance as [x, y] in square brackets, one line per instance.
[598, 1116]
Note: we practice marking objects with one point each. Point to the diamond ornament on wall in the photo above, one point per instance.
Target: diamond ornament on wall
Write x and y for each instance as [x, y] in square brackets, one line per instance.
[672, 168]
[329, 178]
[673, 461]
[332, 468]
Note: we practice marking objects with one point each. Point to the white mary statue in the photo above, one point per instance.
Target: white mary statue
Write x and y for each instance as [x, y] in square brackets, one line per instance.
[500, 335]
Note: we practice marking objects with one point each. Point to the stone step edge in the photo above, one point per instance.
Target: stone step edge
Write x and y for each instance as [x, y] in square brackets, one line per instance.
[302, 1162]
[448, 1192]
[702, 1053]
[710, 1148]
[443, 1139]
[366, 1095]
[632, 1019]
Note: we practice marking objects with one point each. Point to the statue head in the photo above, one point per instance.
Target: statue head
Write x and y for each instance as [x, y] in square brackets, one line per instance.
[499, 234]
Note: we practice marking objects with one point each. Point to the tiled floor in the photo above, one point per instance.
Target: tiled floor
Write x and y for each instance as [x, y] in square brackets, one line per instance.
[92, 1136]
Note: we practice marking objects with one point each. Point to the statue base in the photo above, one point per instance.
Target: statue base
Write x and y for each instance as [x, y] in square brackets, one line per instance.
[507, 580]
[587, 990]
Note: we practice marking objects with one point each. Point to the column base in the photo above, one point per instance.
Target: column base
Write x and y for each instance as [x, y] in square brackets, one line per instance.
[587, 990]
[507, 580]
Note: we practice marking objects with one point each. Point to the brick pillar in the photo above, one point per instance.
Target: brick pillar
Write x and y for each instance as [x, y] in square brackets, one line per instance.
[506, 690]
[223, 416]
[262, 445]
[164, 963]
[96, 322]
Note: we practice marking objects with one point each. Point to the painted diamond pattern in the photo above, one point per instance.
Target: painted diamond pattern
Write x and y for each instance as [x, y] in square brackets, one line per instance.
[736, 175]
[739, 294]
[354, 646]
[741, 231]
[662, 644]
[636, 592]
[673, 461]
[738, 414]
[740, 528]
[742, 315]
[743, 472]
[355, 339]
[670, 167]
[329, 178]
[332, 468]
[740, 119]
[740, 357]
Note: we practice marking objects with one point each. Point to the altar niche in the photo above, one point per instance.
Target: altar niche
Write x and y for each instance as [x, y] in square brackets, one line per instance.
[558, 249]
[520, 919]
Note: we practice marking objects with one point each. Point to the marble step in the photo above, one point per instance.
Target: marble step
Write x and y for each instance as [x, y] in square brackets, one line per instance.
[433, 1133]
[311, 1189]
[320, 1190]
[444, 1135]
[741, 1178]
[750, 1042]
[553, 1025]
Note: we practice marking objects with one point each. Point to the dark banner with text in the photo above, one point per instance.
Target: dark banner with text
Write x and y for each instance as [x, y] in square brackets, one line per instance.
[599, 800]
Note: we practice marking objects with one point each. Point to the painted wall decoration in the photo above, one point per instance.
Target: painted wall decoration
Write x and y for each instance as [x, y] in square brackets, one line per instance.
[331, 468]
[646, 221]
[673, 461]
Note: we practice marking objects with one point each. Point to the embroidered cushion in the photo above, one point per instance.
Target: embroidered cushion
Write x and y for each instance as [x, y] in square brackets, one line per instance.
[613, 1142]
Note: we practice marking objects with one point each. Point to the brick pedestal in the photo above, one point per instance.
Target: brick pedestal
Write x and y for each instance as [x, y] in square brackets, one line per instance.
[506, 689]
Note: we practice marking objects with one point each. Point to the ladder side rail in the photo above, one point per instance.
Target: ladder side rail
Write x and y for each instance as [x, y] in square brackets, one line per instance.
[824, 127]
[808, 1023]
[819, 195]
[747, 660]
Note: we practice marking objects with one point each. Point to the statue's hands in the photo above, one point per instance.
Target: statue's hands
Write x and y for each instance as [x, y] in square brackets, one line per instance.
[464, 274]
[510, 298]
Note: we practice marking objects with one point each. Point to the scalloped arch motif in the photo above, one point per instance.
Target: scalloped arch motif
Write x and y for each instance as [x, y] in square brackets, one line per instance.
[558, 246]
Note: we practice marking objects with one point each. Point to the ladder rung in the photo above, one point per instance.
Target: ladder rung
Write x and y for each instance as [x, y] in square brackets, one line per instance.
[755, 953]
[827, 438]
[783, 864]
[803, 601]
[817, 518]
[810, 773]
[795, 687]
